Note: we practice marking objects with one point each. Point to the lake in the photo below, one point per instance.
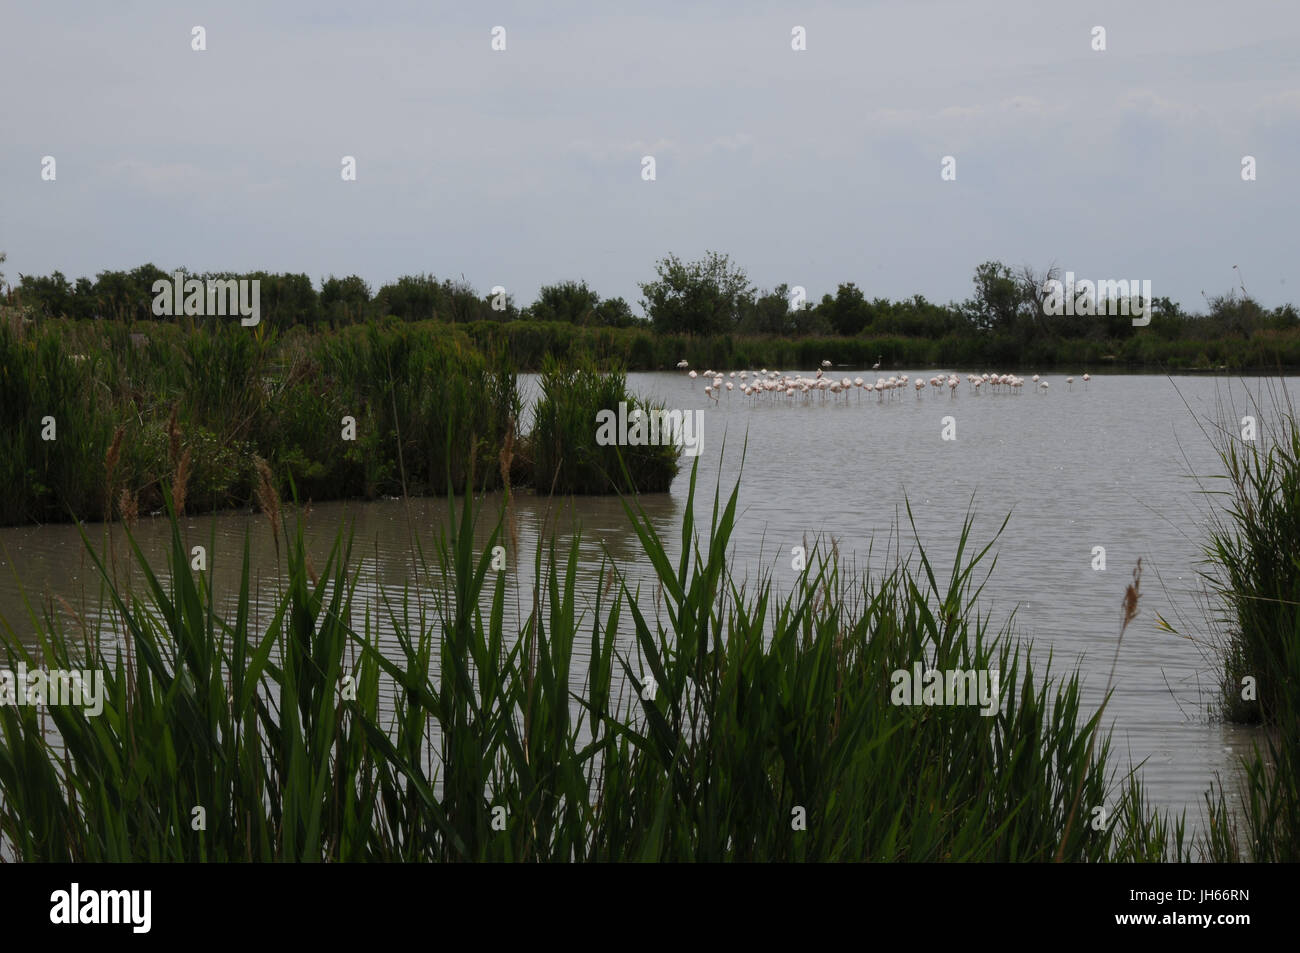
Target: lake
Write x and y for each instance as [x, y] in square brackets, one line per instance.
[1108, 464]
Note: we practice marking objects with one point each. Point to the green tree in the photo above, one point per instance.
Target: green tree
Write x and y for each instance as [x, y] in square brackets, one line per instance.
[83, 299]
[48, 296]
[140, 281]
[615, 313]
[468, 306]
[115, 296]
[848, 312]
[119, 295]
[344, 300]
[573, 302]
[770, 313]
[569, 301]
[1236, 316]
[998, 298]
[287, 299]
[709, 296]
[411, 298]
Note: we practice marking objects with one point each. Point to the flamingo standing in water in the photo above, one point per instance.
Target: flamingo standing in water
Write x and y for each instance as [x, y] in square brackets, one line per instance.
[876, 366]
[824, 389]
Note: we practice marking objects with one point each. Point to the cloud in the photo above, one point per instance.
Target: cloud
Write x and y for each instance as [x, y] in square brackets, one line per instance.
[167, 179]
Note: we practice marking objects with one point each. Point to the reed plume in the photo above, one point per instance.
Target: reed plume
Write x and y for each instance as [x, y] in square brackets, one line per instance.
[111, 459]
[1130, 610]
[128, 508]
[180, 482]
[268, 498]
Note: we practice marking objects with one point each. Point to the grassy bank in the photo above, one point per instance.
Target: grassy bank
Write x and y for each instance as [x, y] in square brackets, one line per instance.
[201, 411]
[718, 720]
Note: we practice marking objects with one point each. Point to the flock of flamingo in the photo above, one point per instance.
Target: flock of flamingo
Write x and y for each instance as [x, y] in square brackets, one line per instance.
[765, 383]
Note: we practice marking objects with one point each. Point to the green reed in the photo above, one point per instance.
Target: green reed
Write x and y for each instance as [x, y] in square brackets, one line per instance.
[703, 717]
[1254, 555]
[363, 412]
[567, 455]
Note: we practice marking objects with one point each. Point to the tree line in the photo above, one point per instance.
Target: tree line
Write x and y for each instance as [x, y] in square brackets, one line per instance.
[709, 296]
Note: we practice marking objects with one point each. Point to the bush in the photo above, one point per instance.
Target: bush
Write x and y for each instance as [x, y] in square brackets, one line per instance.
[567, 457]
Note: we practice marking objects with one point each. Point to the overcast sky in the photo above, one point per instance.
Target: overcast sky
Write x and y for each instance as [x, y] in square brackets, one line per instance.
[523, 167]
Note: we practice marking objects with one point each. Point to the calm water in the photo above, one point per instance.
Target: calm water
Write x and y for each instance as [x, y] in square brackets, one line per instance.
[1075, 468]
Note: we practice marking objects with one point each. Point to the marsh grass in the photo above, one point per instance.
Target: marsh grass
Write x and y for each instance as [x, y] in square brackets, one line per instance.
[712, 719]
[188, 410]
[566, 456]
[40, 381]
[1253, 576]
[1255, 550]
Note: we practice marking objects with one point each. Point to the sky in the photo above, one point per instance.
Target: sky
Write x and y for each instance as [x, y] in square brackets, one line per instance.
[524, 166]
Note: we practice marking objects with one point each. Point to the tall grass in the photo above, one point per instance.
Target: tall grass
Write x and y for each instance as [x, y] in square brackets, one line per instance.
[371, 410]
[1254, 553]
[54, 426]
[716, 719]
[1255, 549]
[423, 393]
[567, 457]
